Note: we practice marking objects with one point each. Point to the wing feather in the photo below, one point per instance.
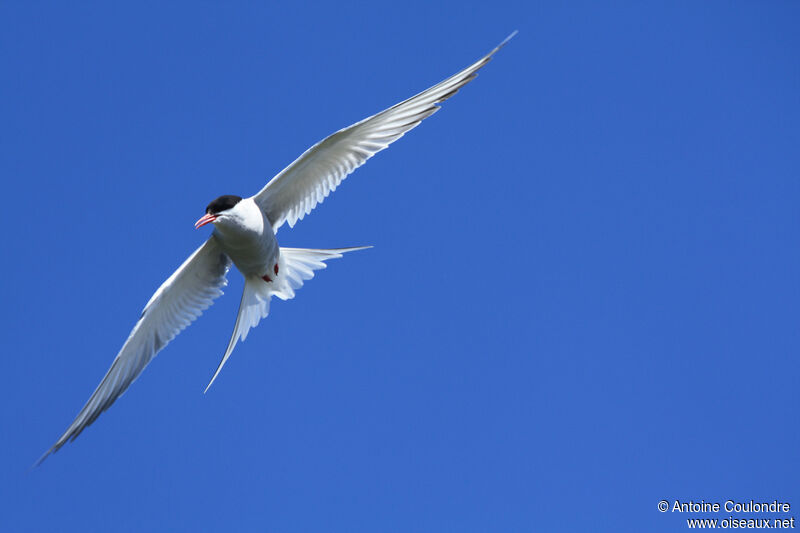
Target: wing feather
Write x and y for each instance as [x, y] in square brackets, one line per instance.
[177, 303]
[304, 184]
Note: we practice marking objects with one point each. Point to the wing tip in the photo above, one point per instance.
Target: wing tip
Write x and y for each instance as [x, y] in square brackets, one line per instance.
[53, 449]
[41, 459]
[505, 41]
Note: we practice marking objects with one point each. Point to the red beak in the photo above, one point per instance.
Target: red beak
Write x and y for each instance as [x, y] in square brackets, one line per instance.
[205, 219]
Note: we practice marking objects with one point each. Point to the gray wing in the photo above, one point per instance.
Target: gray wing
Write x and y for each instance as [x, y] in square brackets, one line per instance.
[175, 305]
[293, 193]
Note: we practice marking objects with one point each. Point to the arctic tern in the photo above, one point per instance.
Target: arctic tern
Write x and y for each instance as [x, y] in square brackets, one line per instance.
[244, 235]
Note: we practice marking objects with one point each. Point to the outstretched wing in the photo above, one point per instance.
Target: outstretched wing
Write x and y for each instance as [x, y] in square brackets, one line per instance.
[293, 193]
[175, 305]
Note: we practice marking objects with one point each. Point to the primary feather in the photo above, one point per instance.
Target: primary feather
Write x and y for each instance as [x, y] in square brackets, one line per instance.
[176, 304]
[305, 183]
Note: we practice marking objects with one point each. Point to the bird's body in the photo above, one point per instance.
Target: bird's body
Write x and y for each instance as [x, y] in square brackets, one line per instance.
[245, 236]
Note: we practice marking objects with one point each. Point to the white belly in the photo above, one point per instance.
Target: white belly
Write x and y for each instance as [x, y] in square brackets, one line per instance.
[248, 240]
[252, 256]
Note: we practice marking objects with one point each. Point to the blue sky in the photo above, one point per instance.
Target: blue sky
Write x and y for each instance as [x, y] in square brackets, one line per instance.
[583, 296]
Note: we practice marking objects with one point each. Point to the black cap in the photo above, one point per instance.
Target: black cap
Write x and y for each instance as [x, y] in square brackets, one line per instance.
[223, 203]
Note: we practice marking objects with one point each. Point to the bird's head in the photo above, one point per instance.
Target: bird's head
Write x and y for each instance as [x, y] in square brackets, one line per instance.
[218, 208]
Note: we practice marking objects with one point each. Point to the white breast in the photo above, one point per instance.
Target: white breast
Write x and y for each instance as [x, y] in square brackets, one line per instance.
[245, 234]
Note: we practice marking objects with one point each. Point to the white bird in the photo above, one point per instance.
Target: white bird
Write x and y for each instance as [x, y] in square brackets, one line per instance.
[244, 234]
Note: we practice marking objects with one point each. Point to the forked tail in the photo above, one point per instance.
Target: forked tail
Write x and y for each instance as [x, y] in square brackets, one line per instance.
[295, 266]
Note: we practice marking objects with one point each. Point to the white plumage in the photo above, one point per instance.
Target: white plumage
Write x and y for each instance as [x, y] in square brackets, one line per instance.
[244, 235]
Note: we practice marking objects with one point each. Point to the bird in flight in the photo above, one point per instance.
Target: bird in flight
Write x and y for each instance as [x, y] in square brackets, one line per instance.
[244, 235]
